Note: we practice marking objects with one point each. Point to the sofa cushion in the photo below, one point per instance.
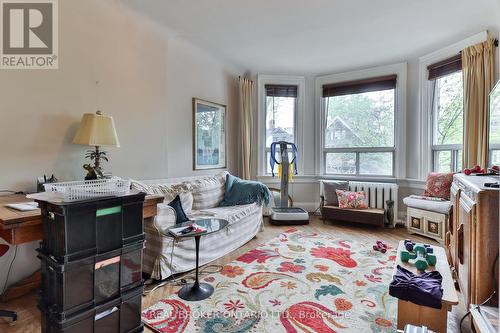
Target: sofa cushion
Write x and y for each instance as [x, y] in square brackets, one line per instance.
[186, 201]
[442, 207]
[169, 191]
[208, 192]
[230, 213]
[329, 190]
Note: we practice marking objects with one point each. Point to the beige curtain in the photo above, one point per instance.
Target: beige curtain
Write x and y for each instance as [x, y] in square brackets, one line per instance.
[246, 113]
[479, 74]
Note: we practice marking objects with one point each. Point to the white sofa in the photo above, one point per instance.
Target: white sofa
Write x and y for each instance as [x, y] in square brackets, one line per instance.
[200, 197]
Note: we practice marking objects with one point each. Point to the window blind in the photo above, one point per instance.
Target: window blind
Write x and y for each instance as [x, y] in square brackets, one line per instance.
[360, 86]
[278, 90]
[445, 67]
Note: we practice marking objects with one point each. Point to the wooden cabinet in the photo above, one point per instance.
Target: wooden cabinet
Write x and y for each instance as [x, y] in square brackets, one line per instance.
[473, 237]
[466, 216]
[451, 237]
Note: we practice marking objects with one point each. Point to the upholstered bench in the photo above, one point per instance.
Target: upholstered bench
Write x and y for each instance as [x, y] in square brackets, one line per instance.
[427, 217]
[330, 210]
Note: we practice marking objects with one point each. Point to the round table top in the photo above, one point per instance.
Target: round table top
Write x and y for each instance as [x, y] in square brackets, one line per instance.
[210, 224]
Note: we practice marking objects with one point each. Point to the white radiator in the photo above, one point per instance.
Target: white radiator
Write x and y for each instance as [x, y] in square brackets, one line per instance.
[378, 194]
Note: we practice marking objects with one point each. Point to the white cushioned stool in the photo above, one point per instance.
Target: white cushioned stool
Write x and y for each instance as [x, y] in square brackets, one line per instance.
[427, 217]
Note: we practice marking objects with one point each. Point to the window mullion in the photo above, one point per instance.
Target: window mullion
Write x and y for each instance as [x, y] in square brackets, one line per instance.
[357, 163]
[453, 160]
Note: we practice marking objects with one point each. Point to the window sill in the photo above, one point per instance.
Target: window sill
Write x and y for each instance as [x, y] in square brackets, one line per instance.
[310, 179]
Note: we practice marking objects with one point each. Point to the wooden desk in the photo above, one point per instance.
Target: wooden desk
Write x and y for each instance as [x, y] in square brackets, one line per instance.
[434, 319]
[18, 227]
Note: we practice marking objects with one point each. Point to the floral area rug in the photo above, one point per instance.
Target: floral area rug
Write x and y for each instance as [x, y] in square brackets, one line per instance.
[297, 282]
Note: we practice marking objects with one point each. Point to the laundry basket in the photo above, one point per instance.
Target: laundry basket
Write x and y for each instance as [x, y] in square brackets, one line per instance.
[80, 190]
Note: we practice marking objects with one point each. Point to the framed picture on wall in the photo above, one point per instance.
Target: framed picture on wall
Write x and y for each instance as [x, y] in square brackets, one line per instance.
[209, 135]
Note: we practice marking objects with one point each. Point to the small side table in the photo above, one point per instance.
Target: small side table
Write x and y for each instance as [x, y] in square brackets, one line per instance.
[198, 291]
[434, 319]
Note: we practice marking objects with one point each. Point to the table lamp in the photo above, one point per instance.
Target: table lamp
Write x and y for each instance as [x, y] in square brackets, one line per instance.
[96, 130]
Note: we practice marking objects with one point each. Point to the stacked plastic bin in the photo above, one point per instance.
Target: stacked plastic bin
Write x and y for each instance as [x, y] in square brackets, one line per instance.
[91, 259]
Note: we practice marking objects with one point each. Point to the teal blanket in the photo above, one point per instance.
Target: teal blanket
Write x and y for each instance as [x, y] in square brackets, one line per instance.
[242, 192]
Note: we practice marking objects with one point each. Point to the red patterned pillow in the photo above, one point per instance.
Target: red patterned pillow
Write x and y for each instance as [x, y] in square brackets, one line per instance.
[438, 185]
[352, 199]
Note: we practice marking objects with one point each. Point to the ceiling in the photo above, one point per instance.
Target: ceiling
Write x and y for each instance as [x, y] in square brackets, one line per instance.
[320, 36]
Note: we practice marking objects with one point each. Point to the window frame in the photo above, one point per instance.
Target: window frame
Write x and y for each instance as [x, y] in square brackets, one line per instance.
[426, 106]
[399, 149]
[454, 149]
[262, 150]
[491, 149]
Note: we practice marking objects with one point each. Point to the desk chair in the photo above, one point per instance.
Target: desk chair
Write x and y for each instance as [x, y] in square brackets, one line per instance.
[4, 313]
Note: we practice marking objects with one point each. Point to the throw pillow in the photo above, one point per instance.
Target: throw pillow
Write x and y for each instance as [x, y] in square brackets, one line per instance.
[438, 185]
[242, 192]
[179, 212]
[349, 199]
[329, 191]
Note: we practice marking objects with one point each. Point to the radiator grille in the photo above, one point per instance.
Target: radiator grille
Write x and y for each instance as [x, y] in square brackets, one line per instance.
[377, 193]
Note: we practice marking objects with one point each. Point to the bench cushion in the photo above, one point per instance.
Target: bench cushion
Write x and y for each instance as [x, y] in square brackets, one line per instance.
[442, 207]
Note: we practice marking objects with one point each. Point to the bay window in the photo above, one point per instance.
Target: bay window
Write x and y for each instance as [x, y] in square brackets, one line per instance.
[447, 114]
[494, 128]
[280, 112]
[281, 103]
[359, 127]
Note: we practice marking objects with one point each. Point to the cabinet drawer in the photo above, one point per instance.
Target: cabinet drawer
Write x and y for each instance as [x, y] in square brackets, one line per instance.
[415, 220]
[434, 227]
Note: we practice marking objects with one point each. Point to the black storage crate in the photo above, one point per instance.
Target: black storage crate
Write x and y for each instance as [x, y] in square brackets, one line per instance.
[77, 285]
[120, 315]
[80, 229]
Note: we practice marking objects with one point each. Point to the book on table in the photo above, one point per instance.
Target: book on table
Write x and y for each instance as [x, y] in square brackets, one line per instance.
[187, 230]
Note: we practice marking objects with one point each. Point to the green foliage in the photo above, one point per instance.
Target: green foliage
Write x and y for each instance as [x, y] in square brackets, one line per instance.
[369, 115]
[450, 109]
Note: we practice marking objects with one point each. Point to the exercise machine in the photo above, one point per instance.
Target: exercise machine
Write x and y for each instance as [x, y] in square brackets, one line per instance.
[285, 215]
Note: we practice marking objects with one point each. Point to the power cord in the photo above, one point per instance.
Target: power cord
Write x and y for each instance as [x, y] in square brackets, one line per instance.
[488, 299]
[10, 268]
[183, 279]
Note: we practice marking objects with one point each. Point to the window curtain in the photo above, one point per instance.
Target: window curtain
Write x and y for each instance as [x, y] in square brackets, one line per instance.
[478, 74]
[246, 111]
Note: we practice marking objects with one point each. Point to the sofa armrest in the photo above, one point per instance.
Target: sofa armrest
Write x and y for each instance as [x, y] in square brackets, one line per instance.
[165, 218]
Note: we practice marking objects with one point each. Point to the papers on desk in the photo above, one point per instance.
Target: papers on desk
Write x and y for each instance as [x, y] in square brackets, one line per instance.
[23, 206]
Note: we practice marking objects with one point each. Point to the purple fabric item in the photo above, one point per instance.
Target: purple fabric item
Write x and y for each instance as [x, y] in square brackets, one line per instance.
[424, 289]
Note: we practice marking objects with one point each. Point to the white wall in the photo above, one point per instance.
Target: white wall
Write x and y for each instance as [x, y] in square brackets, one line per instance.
[147, 78]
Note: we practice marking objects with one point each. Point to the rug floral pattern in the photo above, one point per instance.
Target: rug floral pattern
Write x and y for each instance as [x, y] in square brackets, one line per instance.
[297, 282]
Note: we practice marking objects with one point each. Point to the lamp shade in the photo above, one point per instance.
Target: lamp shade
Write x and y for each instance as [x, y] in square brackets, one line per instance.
[96, 130]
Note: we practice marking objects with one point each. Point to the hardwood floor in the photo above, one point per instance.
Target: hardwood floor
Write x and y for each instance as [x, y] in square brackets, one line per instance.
[29, 316]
